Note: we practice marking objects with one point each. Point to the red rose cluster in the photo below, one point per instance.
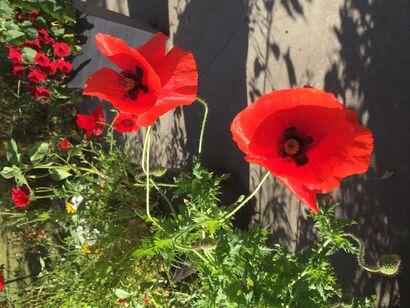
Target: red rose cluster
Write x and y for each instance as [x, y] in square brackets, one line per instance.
[49, 62]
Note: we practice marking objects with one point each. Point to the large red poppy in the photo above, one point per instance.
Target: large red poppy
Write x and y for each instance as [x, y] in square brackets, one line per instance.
[151, 82]
[304, 137]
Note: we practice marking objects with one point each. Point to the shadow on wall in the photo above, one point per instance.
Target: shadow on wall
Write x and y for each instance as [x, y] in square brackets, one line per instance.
[217, 33]
[275, 206]
[374, 66]
[152, 12]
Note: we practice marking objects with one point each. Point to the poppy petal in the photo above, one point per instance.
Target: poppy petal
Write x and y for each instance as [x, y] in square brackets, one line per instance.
[104, 84]
[154, 50]
[307, 196]
[85, 121]
[179, 74]
[128, 59]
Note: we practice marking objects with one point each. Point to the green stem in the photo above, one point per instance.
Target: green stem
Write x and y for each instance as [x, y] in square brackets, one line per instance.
[165, 197]
[249, 197]
[361, 255]
[201, 136]
[145, 153]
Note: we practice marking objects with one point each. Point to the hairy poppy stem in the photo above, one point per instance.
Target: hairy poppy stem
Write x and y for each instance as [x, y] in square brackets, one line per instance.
[201, 136]
[249, 197]
[145, 161]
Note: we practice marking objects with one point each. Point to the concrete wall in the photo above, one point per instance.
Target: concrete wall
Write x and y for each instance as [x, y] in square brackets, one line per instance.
[357, 49]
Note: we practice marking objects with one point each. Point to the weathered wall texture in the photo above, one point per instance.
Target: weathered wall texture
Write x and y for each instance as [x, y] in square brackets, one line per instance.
[357, 49]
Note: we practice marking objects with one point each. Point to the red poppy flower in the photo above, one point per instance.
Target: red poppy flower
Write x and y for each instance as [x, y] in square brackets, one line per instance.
[36, 76]
[61, 50]
[125, 122]
[151, 81]
[15, 56]
[64, 66]
[1, 281]
[18, 70]
[44, 37]
[20, 196]
[41, 59]
[94, 122]
[32, 16]
[41, 92]
[304, 137]
[64, 144]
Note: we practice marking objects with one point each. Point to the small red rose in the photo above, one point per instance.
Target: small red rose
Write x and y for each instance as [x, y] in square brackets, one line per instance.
[64, 144]
[20, 196]
[125, 123]
[306, 138]
[64, 66]
[44, 37]
[50, 69]
[94, 122]
[41, 92]
[35, 44]
[18, 70]
[36, 76]
[61, 50]
[15, 56]
[42, 60]
[150, 83]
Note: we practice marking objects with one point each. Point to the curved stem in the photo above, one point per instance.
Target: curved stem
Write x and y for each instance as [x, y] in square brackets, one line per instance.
[165, 197]
[361, 255]
[201, 136]
[249, 197]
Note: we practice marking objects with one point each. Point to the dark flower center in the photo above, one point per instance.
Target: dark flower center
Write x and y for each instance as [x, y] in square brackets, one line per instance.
[127, 122]
[293, 144]
[132, 83]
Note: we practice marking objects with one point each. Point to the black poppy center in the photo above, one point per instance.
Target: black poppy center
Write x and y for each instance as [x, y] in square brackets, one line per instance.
[127, 122]
[293, 144]
[131, 82]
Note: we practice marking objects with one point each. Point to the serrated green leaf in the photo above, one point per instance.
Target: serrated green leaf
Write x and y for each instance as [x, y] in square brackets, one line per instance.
[28, 54]
[59, 174]
[39, 153]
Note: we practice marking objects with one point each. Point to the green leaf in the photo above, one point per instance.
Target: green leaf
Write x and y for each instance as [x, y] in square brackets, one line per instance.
[15, 37]
[28, 54]
[57, 31]
[7, 172]
[31, 34]
[13, 154]
[5, 9]
[39, 153]
[59, 174]
[19, 178]
[121, 293]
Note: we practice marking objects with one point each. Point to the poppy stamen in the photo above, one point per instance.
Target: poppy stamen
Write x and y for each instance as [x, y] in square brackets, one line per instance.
[132, 83]
[293, 145]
